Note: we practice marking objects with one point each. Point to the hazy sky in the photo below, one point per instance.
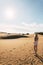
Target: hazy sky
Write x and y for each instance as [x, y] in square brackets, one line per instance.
[21, 16]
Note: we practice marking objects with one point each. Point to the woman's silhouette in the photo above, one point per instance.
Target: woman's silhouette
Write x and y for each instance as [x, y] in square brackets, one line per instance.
[35, 43]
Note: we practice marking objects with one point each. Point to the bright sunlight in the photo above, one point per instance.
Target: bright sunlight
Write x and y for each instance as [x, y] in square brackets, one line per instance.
[9, 13]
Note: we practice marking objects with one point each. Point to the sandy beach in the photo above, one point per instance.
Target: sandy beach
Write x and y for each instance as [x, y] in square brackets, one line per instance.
[20, 51]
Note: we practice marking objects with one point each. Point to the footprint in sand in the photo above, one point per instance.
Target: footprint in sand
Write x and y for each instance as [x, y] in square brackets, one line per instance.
[9, 64]
[10, 50]
[14, 48]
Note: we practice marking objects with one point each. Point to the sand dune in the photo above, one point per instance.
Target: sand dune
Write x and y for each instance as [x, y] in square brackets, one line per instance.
[20, 51]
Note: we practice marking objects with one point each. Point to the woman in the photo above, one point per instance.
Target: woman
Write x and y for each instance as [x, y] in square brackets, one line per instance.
[35, 43]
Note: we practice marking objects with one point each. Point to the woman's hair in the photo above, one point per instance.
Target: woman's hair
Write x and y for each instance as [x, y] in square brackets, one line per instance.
[36, 37]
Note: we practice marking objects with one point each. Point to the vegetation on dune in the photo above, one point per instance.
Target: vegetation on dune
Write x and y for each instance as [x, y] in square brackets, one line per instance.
[41, 33]
[13, 36]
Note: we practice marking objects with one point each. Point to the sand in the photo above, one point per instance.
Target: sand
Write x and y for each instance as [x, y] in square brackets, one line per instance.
[20, 51]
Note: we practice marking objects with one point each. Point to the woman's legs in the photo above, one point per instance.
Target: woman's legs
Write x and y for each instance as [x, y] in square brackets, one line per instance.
[35, 49]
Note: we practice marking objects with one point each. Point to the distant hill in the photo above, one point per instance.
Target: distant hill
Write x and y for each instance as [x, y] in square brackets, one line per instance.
[4, 35]
[3, 32]
[41, 33]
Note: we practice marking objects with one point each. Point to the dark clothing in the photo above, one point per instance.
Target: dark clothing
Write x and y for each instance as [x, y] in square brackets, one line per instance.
[36, 38]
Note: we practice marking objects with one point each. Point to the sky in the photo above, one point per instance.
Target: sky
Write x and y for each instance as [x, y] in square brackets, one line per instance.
[21, 16]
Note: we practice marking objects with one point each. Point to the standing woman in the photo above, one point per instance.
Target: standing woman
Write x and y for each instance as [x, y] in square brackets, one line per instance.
[35, 43]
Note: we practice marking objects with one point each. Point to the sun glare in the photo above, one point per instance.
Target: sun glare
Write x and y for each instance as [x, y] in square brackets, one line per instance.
[9, 13]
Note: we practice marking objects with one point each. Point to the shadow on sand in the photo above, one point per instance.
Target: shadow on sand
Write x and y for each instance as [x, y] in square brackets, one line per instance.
[39, 57]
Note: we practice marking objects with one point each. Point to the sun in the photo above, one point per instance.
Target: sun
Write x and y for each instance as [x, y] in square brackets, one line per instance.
[9, 13]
